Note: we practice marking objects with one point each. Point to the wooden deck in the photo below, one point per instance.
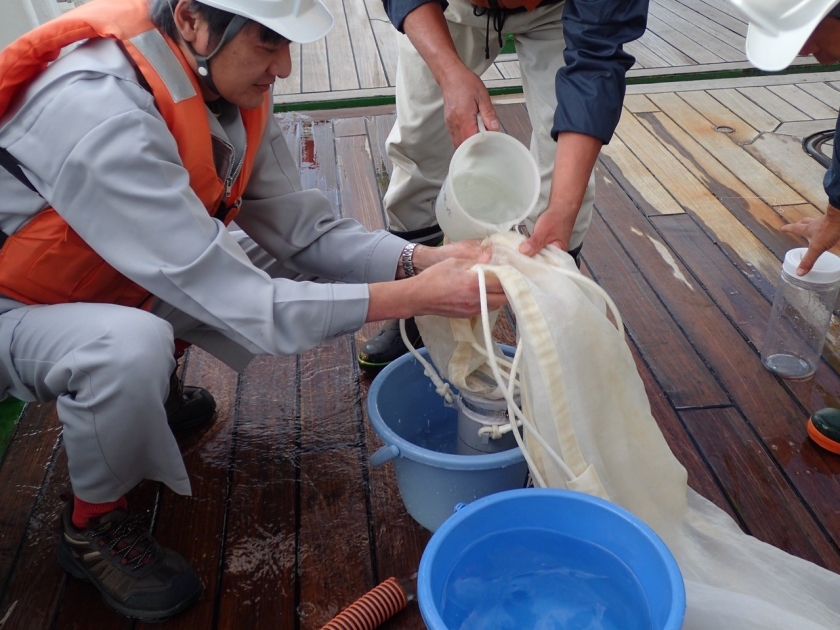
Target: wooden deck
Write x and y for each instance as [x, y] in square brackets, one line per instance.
[358, 59]
[288, 523]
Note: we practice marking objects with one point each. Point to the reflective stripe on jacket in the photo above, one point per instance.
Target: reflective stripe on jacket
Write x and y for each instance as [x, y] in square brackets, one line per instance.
[46, 262]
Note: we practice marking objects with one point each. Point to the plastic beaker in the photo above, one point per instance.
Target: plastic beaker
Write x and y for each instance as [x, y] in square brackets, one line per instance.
[493, 184]
[800, 317]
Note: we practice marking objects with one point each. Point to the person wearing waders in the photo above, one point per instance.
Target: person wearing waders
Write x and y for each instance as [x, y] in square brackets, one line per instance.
[123, 162]
[778, 32]
[573, 76]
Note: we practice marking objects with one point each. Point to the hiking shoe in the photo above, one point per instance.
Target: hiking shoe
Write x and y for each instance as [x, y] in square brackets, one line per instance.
[387, 345]
[188, 407]
[135, 575]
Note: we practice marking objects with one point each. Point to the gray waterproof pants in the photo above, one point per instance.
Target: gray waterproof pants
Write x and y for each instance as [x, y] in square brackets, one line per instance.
[108, 368]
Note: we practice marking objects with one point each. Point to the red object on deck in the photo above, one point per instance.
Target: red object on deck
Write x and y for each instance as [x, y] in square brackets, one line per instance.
[372, 609]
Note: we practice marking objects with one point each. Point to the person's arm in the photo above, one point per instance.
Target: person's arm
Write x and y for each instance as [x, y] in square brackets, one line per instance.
[298, 226]
[447, 289]
[398, 10]
[114, 174]
[822, 233]
[590, 92]
[574, 160]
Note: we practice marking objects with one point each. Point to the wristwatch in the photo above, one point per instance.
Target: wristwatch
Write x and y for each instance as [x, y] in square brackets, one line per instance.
[407, 260]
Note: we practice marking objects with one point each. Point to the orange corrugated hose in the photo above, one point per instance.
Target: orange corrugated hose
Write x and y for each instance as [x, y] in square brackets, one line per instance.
[372, 609]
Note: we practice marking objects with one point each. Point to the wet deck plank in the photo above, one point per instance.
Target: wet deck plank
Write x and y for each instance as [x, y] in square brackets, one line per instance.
[289, 523]
[262, 518]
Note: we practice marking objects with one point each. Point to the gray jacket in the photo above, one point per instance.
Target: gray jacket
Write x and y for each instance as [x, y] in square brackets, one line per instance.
[90, 139]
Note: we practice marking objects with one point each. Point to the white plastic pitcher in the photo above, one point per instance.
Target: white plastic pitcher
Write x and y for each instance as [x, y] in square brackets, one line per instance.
[493, 184]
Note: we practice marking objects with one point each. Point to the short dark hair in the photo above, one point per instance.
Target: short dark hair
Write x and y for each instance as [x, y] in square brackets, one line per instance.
[162, 16]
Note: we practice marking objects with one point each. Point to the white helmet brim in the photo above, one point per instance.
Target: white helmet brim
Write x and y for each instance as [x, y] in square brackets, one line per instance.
[299, 21]
[778, 29]
[776, 52]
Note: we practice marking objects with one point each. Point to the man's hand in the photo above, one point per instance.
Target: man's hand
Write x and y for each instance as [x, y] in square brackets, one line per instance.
[573, 162]
[822, 234]
[464, 94]
[470, 250]
[448, 288]
[553, 227]
[465, 97]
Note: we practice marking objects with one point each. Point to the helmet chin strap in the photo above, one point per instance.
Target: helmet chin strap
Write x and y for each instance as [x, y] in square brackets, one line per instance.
[203, 61]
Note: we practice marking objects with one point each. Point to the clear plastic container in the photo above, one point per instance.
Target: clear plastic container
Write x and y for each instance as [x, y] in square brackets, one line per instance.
[800, 317]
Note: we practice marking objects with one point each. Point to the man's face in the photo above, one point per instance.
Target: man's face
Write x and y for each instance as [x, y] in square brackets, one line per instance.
[824, 42]
[246, 67]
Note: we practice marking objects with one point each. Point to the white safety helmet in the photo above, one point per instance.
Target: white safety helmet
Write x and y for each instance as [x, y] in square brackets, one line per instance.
[779, 28]
[301, 21]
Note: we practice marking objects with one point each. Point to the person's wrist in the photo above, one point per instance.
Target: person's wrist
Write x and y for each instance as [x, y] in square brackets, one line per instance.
[563, 212]
[453, 74]
[424, 257]
[407, 260]
[564, 205]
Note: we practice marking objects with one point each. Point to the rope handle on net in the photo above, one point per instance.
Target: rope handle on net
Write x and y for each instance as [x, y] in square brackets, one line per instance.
[514, 411]
[441, 387]
[372, 609]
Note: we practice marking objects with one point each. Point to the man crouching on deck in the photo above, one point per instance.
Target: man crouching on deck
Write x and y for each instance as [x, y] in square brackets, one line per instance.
[123, 162]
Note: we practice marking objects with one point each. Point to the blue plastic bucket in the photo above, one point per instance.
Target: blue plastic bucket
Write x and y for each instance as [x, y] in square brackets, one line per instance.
[545, 558]
[420, 436]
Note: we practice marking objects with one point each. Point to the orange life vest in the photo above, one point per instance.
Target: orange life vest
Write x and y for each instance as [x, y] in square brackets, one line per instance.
[46, 262]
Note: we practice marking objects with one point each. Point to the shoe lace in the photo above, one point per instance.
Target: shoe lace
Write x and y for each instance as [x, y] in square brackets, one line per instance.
[129, 539]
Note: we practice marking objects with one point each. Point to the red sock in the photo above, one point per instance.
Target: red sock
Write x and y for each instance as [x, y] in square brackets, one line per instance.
[82, 510]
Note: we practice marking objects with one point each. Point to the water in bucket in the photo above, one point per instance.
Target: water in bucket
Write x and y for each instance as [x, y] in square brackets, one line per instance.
[436, 432]
[548, 559]
[548, 582]
[420, 435]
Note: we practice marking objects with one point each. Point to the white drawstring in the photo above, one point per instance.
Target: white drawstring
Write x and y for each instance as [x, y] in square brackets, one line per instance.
[441, 387]
[515, 413]
[513, 408]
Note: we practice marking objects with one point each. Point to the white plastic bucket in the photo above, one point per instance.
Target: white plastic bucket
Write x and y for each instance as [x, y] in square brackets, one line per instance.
[493, 184]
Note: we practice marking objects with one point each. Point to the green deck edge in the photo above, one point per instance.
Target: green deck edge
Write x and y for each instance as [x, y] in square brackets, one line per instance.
[374, 101]
[730, 74]
[10, 410]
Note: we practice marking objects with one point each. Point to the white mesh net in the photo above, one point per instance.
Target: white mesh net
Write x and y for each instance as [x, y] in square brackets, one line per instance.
[589, 428]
